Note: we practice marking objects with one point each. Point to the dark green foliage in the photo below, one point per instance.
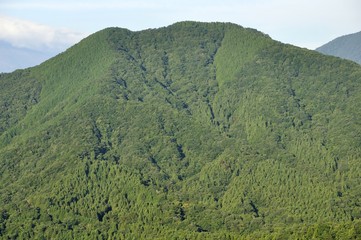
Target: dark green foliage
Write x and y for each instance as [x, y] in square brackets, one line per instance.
[193, 131]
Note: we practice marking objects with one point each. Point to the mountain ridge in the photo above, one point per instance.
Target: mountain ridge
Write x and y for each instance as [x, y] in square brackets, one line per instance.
[347, 47]
[197, 130]
[13, 58]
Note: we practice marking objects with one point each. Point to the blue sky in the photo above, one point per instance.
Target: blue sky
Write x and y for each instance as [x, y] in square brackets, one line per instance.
[55, 25]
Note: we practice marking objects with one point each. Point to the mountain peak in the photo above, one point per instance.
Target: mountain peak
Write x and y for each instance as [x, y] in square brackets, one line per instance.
[195, 130]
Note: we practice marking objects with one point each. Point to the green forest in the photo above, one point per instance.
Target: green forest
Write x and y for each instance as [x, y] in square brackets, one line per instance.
[191, 131]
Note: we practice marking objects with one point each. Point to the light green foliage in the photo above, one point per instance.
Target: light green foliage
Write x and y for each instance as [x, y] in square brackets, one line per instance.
[193, 131]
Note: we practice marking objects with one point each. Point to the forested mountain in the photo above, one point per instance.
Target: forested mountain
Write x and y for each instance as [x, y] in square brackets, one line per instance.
[12, 58]
[347, 47]
[192, 131]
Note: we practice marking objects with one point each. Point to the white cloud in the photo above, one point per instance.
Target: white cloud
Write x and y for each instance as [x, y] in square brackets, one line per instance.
[71, 5]
[27, 34]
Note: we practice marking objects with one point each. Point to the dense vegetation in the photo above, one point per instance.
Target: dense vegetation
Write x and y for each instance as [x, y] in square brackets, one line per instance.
[347, 47]
[193, 131]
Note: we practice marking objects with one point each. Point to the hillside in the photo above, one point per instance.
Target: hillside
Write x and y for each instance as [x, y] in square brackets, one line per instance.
[192, 131]
[347, 47]
[13, 58]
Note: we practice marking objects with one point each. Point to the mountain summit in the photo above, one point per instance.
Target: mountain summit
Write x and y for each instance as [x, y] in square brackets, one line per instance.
[192, 131]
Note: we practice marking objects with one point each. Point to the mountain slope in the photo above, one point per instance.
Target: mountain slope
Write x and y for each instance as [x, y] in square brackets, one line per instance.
[347, 47]
[195, 130]
[13, 58]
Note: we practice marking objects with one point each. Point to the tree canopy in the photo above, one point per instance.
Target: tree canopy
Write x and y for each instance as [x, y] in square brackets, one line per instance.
[192, 131]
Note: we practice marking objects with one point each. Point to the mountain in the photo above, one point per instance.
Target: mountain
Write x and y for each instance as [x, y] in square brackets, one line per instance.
[191, 131]
[13, 58]
[347, 47]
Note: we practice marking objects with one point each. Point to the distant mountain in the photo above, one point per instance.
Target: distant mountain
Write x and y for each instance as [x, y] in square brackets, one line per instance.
[12, 58]
[191, 131]
[347, 47]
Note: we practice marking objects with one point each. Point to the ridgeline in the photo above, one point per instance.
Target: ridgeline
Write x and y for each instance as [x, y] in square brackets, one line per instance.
[346, 47]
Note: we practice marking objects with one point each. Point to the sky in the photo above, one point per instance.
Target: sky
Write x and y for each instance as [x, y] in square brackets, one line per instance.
[54, 25]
